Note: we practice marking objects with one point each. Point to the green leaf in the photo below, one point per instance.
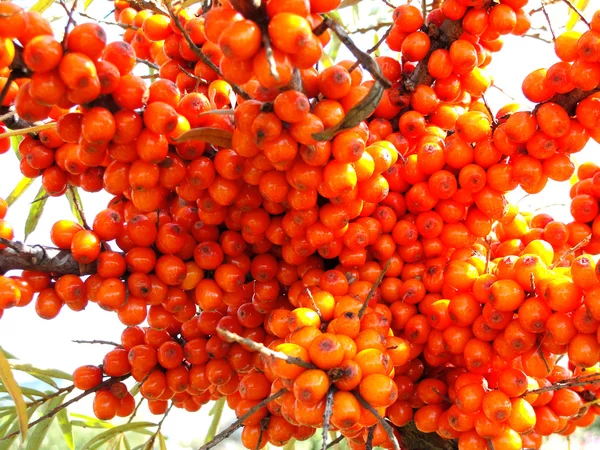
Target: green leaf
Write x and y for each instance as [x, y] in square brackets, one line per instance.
[66, 427]
[126, 443]
[35, 212]
[41, 5]
[7, 423]
[15, 142]
[216, 412]
[162, 442]
[89, 422]
[53, 373]
[16, 394]
[214, 136]
[6, 444]
[356, 114]
[72, 195]
[7, 354]
[377, 52]
[109, 434]
[19, 189]
[36, 439]
[334, 48]
[49, 381]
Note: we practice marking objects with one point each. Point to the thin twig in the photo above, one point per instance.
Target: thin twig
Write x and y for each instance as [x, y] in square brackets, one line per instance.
[133, 414]
[386, 426]
[260, 348]
[8, 115]
[106, 383]
[369, 443]
[567, 383]
[270, 56]
[327, 416]
[45, 398]
[548, 20]
[69, 21]
[238, 423]
[6, 87]
[336, 441]
[96, 341]
[107, 22]
[363, 58]
[373, 289]
[572, 250]
[374, 48]
[200, 54]
[150, 443]
[34, 129]
[148, 63]
[577, 11]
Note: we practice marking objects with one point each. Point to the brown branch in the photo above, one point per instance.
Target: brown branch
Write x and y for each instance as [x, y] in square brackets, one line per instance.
[238, 423]
[386, 426]
[365, 60]
[413, 438]
[570, 100]
[19, 256]
[106, 383]
[548, 20]
[577, 11]
[96, 341]
[441, 38]
[373, 289]
[584, 380]
[144, 4]
[327, 416]
[585, 241]
[260, 348]
[200, 54]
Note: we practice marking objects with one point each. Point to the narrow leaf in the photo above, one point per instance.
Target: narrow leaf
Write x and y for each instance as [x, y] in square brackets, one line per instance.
[6, 444]
[574, 18]
[126, 443]
[216, 412]
[377, 52]
[109, 434]
[66, 427]
[35, 212]
[214, 136]
[15, 141]
[7, 354]
[15, 393]
[8, 422]
[162, 442]
[53, 373]
[356, 114]
[86, 4]
[72, 195]
[38, 433]
[41, 5]
[19, 189]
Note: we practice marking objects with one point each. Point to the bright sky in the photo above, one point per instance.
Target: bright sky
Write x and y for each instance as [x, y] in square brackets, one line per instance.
[48, 343]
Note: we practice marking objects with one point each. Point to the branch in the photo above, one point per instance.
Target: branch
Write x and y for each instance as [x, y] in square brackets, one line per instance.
[228, 336]
[363, 58]
[327, 417]
[200, 54]
[19, 256]
[441, 38]
[570, 100]
[96, 341]
[238, 423]
[386, 426]
[373, 290]
[413, 438]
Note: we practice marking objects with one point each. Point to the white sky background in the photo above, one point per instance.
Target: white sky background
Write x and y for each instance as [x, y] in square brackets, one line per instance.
[48, 343]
